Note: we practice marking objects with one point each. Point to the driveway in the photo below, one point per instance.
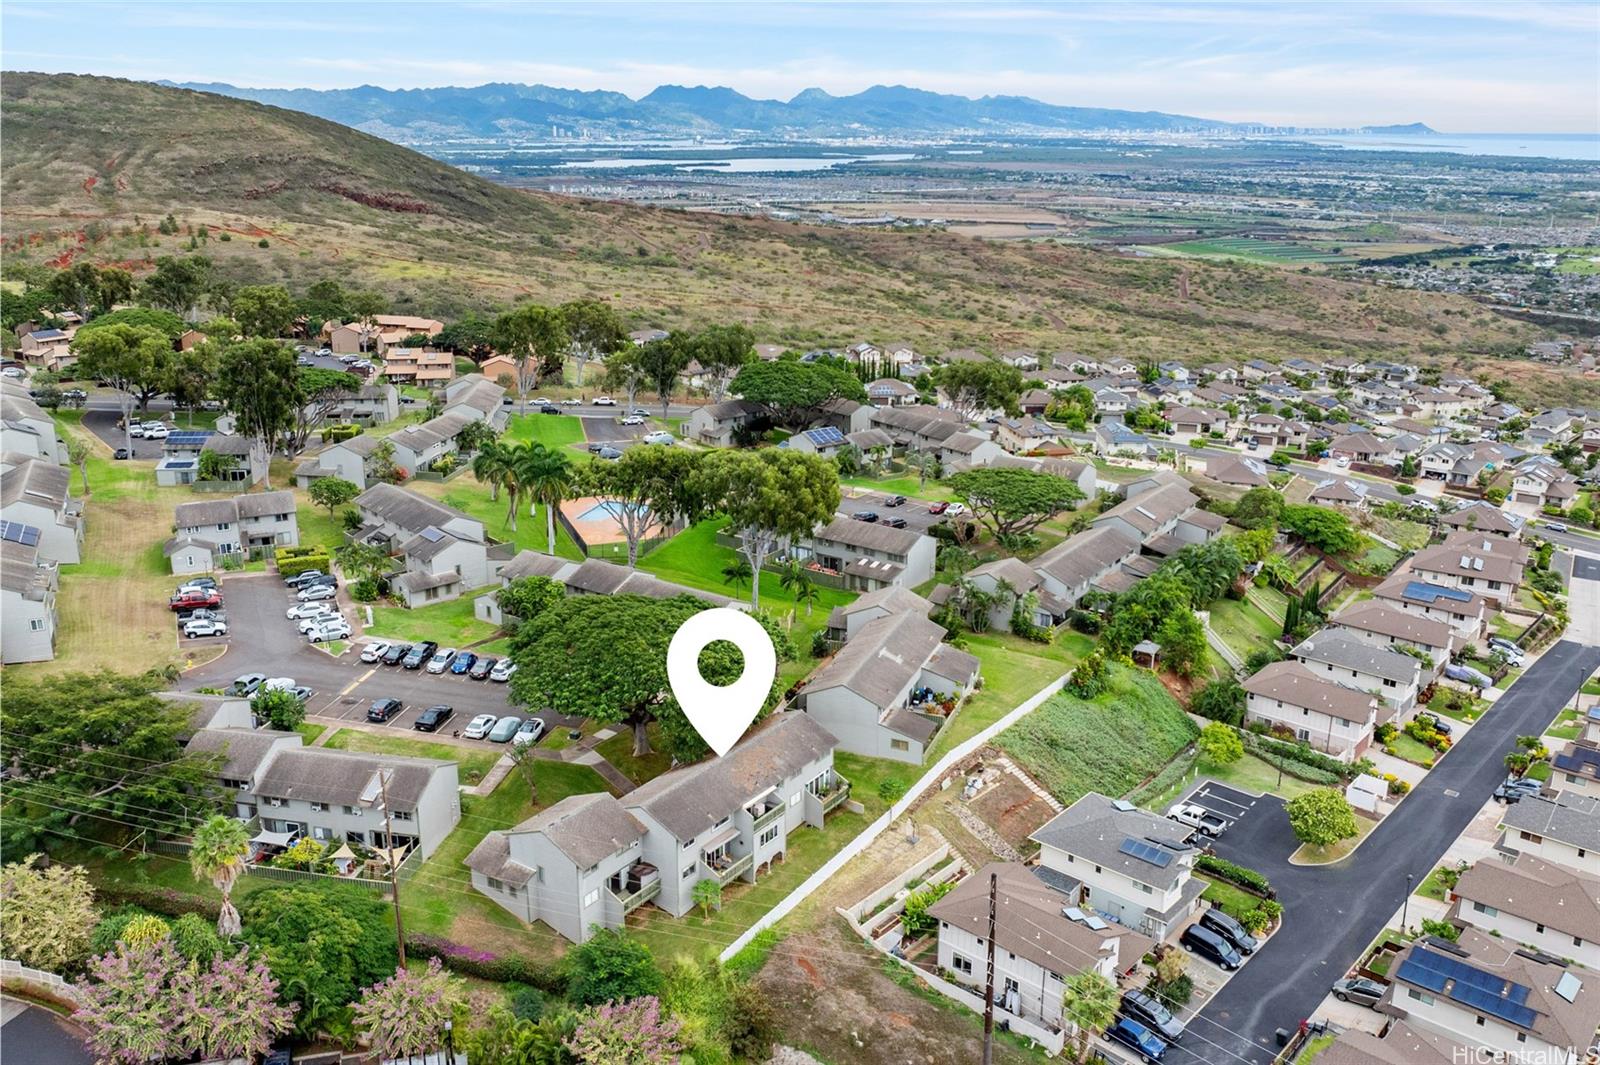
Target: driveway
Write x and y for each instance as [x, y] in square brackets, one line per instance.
[1583, 600]
[913, 510]
[608, 429]
[33, 1036]
[103, 424]
[1332, 913]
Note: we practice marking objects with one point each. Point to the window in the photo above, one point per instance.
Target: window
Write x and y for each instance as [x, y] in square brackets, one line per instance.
[318, 807]
[1478, 1021]
[591, 898]
[37, 624]
[279, 802]
[900, 745]
[770, 834]
[1522, 1037]
[960, 964]
[1530, 837]
[322, 833]
[405, 815]
[1421, 996]
[351, 811]
[1488, 911]
[496, 885]
[687, 873]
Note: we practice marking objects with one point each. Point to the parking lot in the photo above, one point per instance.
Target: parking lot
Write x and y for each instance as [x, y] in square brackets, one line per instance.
[609, 429]
[265, 641]
[914, 511]
[103, 424]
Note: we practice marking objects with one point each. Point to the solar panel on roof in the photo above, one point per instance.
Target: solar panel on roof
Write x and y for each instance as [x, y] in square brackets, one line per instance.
[1413, 971]
[431, 535]
[1470, 986]
[1138, 848]
[18, 533]
[825, 435]
[178, 464]
[188, 436]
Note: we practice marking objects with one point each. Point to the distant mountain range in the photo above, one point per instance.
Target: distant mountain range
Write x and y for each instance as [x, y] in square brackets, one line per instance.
[522, 110]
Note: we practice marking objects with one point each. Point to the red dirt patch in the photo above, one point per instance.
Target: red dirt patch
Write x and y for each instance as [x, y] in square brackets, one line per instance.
[89, 183]
[810, 971]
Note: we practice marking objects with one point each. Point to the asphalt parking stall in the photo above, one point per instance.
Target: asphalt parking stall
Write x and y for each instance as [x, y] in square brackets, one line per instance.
[914, 511]
[1228, 803]
[1585, 567]
[610, 430]
[103, 424]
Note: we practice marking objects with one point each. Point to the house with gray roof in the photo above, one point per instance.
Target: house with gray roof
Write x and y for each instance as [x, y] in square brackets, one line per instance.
[918, 428]
[1070, 569]
[1340, 491]
[206, 530]
[870, 555]
[1383, 625]
[290, 792]
[1238, 470]
[845, 621]
[35, 492]
[479, 399]
[1465, 611]
[1480, 515]
[1563, 827]
[1400, 1044]
[443, 552]
[1131, 866]
[716, 424]
[25, 428]
[590, 577]
[350, 460]
[1332, 718]
[1528, 900]
[1166, 508]
[1340, 657]
[867, 694]
[966, 450]
[28, 586]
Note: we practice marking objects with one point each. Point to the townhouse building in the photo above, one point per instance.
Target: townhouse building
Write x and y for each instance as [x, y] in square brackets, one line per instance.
[1491, 566]
[590, 577]
[1340, 492]
[1484, 517]
[1575, 766]
[207, 529]
[1563, 827]
[1081, 473]
[28, 586]
[846, 621]
[1068, 570]
[1241, 471]
[382, 333]
[918, 428]
[1338, 656]
[879, 693]
[870, 555]
[25, 428]
[443, 551]
[423, 367]
[1161, 508]
[1332, 718]
[1382, 625]
[1041, 941]
[48, 349]
[292, 792]
[966, 450]
[350, 460]
[1486, 992]
[1527, 900]
[1024, 434]
[1130, 866]
[1465, 611]
[891, 392]
[34, 492]
[716, 424]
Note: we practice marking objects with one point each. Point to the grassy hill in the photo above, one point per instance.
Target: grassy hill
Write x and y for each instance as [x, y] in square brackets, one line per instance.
[88, 159]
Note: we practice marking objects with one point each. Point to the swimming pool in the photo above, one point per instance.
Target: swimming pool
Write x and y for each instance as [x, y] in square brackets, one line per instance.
[607, 510]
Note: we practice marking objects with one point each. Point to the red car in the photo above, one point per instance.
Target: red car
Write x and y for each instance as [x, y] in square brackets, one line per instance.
[938, 508]
[194, 602]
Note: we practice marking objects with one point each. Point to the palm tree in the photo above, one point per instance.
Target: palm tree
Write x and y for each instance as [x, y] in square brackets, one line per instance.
[489, 467]
[1090, 1002]
[218, 854]
[737, 573]
[797, 579]
[521, 462]
[547, 479]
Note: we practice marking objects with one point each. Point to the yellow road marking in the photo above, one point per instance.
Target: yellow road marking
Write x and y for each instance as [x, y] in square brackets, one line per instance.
[352, 685]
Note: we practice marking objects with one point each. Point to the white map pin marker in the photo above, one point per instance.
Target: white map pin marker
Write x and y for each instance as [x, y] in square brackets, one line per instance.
[721, 713]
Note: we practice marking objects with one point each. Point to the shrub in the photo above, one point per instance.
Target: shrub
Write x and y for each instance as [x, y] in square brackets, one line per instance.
[167, 901]
[1223, 869]
[915, 915]
[484, 965]
[1175, 993]
[1442, 929]
[315, 558]
[365, 590]
[527, 1003]
[1385, 733]
[891, 789]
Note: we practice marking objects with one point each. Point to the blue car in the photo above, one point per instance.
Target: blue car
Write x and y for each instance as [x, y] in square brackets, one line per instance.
[1137, 1038]
[463, 662]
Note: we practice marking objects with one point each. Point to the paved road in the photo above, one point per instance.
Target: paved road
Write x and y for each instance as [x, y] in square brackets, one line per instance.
[1332, 913]
[32, 1035]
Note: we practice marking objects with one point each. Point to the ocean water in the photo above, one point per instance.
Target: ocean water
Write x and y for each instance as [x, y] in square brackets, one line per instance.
[1583, 146]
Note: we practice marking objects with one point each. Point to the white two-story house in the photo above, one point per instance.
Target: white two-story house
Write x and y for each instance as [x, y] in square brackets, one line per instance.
[1533, 902]
[1332, 718]
[1337, 656]
[1563, 828]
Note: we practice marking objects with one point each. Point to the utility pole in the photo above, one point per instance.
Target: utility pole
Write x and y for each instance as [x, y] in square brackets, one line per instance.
[988, 982]
[388, 859]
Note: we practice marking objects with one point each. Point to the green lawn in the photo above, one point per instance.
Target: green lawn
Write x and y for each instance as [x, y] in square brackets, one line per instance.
[1110, 744]
[1506, 681]
[450, 624]
[318, 528]
[1568, 726]
[618, 750]
[903, 484]
[1539, 771]
[1442, 703]
[1403, 746]
[472, 765]
[309, 731]
[1243, 626]
[1432, 886]
[1013, 670]
[1234, 902]
[551, 430]
[466, 494]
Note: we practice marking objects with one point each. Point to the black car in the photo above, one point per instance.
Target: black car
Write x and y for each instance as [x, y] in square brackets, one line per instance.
[382, 710]
[595, 446]
[122, 453]
[549, 408]
[1198, 939]
[395, 653]
[201, 582]
[480, 669]
[865, 515]
[418, 656]
[1148, 1011]
[895, 501]
[1229, 929]
[431, 718]
[1438, 724]
[895, 523]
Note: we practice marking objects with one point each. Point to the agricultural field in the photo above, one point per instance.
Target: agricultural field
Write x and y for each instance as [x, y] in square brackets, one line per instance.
[1251, 249]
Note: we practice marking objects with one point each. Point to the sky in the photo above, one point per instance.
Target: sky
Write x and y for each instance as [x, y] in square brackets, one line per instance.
[1461, 66]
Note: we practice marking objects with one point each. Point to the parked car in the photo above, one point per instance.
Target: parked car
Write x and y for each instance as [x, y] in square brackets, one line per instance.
[1438, 724]
[122, 453]
[529, 731]
[1198, 939]
[1467, 675]
[955, 510]
[504, 729]
[302, 578]
[332, 629]
[316, 593]
[503, 671]
[895, 501]
[442, 657]
[1343, 461]
[199, 627]
[302, 611]
[1358, 989]
[868, 516]
[632, 419]
[156, 432]
[604, 401]
[463, 663]
[247, 684]
[375, 651]
[431, 718]
[1225, 926]
[211, 582]
[609, 453]
[396, 653]
[572, 401]
[197, 589]
[136, 430]
[938, 508]
[1500, 643]
[194, 601]
[895, 523]
[1145, 1008]
[480, 727]
[480, 668]
[322, 578]
[302, 692]
[201, 614]
[1515, 789]
[419, 655]
[1556, 526]
[1137, 1038]
[660, 436]
[278, 684]
[549, 408]
[1187, 813]
[382, 710]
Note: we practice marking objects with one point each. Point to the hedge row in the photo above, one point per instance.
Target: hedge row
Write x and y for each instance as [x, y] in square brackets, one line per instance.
[292, 561]
[169, 902]
[469, 961]
[1223, 869]
[1299, 753]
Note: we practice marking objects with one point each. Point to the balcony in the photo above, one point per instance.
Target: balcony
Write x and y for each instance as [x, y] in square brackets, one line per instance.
[835, 797]
[633, 900]
[723, 868]
[764, 815]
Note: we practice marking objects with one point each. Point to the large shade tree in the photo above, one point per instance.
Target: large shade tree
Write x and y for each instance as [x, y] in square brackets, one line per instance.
[722, 351]
[605, 657]
[218, 854]
[975, 387]
[537, 339]
[263, 310]
[89, 289]
[772, 498]
[134, 360]
[796, 394]
[648, 489]
[259, 383]
[660, 362]
[1011, 502]
[322, 391]
[595, 330]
